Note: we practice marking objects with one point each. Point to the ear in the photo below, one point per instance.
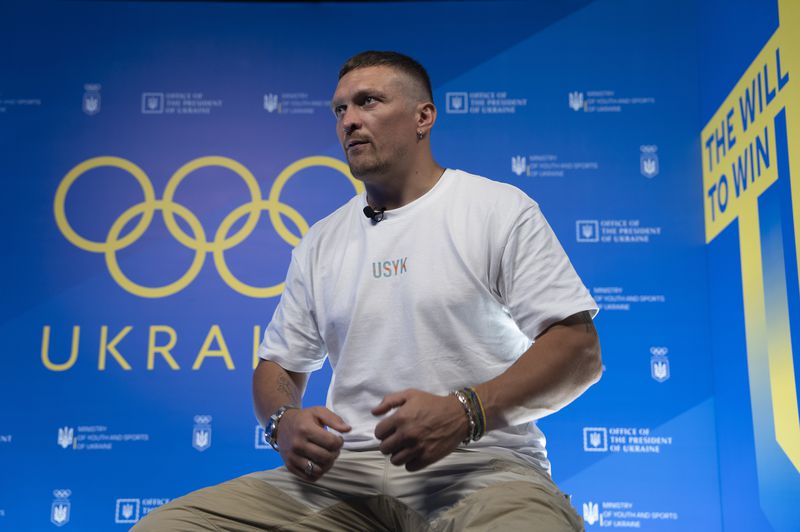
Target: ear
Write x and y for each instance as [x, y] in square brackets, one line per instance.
[426, 117]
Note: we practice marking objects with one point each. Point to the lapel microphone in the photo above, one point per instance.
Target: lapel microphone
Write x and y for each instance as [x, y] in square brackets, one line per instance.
[376, 216]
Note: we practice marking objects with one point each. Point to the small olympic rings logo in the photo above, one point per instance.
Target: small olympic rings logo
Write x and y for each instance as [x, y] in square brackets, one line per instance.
[197, 241]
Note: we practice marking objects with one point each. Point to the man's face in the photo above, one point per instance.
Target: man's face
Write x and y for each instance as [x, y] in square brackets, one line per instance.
[375, 119]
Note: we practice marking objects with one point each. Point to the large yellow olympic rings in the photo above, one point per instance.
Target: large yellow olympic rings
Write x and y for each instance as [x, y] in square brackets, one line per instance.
[287, 173]
[191, 166]
[197, 241]
[172, 288]
[219, 256]
[74, 174]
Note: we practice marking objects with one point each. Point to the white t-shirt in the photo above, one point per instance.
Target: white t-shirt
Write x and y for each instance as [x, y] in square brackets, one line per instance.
[446, 292]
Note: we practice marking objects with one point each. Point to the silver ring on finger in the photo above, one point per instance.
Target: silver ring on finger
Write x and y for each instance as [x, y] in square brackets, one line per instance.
[309, 468]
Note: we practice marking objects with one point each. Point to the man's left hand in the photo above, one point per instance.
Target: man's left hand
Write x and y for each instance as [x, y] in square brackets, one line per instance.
[423, 428]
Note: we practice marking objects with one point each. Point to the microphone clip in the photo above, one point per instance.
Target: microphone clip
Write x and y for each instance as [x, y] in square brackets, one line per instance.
[375, 215]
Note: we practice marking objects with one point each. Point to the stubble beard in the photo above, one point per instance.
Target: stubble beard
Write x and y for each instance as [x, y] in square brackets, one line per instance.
[363, 167]
[370, 167]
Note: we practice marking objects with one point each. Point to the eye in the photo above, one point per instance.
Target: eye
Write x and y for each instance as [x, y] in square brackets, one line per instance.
[370, 99]
[339, 110]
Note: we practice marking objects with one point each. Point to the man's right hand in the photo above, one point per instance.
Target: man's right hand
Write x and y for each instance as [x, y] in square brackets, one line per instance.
[303, 438]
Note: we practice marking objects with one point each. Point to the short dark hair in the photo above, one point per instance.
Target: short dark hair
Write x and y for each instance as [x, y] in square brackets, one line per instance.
[401, 62]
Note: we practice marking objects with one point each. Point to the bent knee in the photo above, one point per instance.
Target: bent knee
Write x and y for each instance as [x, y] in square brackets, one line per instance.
[174, 518]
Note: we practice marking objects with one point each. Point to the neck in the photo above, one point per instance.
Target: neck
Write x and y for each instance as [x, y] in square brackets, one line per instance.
[397, 190]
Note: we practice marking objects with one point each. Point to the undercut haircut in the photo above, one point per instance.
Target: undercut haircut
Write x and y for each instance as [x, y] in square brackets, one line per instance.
[396, 60]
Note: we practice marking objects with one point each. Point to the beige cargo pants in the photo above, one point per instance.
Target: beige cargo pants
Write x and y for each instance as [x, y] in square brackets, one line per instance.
[470, 490]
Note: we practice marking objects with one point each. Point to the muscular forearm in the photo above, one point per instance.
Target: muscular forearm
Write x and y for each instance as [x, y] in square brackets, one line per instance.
[307, 448]
[274, 387]
[562, 363]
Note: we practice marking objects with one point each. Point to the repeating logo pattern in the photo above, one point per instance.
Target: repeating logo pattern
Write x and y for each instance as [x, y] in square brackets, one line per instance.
[457, 102]
[60, 509]
[519, 164]
[659, 363]
[201, 434]
[648, 161]
[127, 511]
[587, 230]
[576, 100]
[66, 436]
[91, 99]
[198, 241]
[591, 512]
[271, 103]
[595, 439]
[152, 103]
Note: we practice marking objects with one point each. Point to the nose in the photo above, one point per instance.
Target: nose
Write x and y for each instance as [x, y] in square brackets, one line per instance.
[350, 120]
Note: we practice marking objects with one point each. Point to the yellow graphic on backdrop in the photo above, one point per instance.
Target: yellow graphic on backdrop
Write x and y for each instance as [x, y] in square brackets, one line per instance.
[214, 346]
[197, 241]
[739, 141]
[743, 147]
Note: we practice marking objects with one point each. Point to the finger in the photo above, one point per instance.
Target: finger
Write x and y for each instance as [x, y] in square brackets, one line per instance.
[386, 427]
[290, 461]
[419, 462]
[308, 429]
[316, 454]
[330, 419]
[299, 466]
[405, 456]
[393, 400]
[395, 442]
[327, 440]
[298, 472]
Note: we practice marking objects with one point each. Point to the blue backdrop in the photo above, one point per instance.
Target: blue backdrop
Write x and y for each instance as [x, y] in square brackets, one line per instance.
[160, 160]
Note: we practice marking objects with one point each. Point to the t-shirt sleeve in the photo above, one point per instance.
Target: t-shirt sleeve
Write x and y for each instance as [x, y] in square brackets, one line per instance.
[292, 338]
[537, 282]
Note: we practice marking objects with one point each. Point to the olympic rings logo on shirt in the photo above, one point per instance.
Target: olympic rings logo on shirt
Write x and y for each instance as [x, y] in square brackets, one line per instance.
[197, 241]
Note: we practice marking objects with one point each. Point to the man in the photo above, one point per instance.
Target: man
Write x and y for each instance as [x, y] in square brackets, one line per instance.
[427, 307]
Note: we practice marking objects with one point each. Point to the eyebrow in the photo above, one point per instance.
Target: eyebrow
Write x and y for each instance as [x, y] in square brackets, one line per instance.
[360, 94]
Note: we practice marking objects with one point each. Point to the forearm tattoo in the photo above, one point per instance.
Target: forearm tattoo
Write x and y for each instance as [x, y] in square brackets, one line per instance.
[288, 389]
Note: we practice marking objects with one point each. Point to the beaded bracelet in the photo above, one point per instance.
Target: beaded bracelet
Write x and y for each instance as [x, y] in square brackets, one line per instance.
[462, 398]
[480, 413]
[473, 408]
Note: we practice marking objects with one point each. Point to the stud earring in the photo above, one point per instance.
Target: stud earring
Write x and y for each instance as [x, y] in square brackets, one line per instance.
[420, 134]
